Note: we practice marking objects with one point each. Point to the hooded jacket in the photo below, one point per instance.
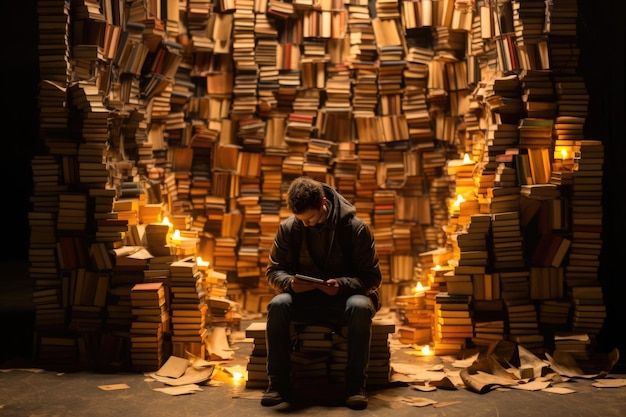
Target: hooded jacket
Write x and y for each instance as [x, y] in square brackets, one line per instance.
[320, 253]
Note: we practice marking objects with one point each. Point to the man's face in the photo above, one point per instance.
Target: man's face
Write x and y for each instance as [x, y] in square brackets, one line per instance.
[313, 216]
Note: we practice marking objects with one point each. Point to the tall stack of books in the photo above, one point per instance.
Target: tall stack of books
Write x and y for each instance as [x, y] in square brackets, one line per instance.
[506, 239]
[257, 361]
[586, 216]
[188, 316]
[379, 368]
[151, 320]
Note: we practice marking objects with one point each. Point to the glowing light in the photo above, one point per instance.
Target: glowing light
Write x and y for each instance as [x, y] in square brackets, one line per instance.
[202, 263]
[426, 350]
[237, 377]
[467, 159]
[458, 201]
[419, 288]
[176, 238]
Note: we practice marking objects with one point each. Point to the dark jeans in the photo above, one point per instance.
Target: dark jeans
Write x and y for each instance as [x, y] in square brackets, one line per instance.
[355, 312]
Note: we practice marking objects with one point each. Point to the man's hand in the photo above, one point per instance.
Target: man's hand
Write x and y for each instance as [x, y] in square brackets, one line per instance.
[330, 287]
[299, 285]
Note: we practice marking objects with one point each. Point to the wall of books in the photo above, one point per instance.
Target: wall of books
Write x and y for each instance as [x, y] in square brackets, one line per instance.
[170, 130]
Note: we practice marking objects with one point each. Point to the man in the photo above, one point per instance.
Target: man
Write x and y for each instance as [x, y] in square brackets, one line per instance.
[314, 241]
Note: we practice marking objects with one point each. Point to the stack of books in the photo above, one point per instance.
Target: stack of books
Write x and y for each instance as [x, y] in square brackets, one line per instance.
[150, 320]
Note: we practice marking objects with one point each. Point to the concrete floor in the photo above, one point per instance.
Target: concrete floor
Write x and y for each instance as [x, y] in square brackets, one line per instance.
[28, 392]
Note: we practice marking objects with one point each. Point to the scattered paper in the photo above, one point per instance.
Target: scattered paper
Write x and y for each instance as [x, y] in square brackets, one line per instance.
[565, 364]
[529, 359]
[446, 404]
[425, 388]
[219, 347]
[174, 367]
[558, 390]
[113, 387]
[179, 390]
[418, 401]
[191, 376]
[535, 385]
[609, 383]
[444, 383]
[464, 363]
[141, 254]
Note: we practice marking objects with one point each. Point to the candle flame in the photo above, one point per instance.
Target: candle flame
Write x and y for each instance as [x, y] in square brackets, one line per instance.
[467, 159]
[201, 262]
[458, 201]
[426, 350]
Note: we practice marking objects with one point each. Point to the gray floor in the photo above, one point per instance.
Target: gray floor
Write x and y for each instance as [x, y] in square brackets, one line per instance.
[29, 392]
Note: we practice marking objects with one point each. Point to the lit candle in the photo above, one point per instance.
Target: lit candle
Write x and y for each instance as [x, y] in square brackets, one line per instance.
[176, 239]
[419, 289]
[201, 262]
[467, 160]
[426, 351]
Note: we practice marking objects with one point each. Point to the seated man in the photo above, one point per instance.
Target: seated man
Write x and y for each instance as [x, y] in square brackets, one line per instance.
[324, 239]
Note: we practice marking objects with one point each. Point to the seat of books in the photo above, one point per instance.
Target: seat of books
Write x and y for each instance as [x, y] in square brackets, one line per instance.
[319, 358]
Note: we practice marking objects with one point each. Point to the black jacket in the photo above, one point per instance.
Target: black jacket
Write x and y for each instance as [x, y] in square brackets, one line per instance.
[321, 255]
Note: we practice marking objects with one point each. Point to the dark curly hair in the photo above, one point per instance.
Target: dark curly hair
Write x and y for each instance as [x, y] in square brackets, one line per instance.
[304, 193]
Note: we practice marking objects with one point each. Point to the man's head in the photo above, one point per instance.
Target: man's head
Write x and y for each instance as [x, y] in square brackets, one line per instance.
[306, 199]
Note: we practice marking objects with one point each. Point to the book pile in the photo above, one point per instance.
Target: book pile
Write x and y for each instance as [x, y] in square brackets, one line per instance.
[452, 313]
[320, 354]
[507, 240]
[150, 320]
[414, 335]
[414, 313]
[488, 332]
[379, 367]
[589, 309]
[522, 323]
[188, 317]
[311, 358]
[436, 281]
[575, 343]
[458, 283]
[554, 313]
[257, 361]
[586, 215]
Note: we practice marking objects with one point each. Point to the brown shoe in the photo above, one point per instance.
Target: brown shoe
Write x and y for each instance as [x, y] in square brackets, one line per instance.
[356, 399]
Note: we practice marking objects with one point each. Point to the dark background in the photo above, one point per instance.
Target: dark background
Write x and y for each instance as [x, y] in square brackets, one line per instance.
[601, 41]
